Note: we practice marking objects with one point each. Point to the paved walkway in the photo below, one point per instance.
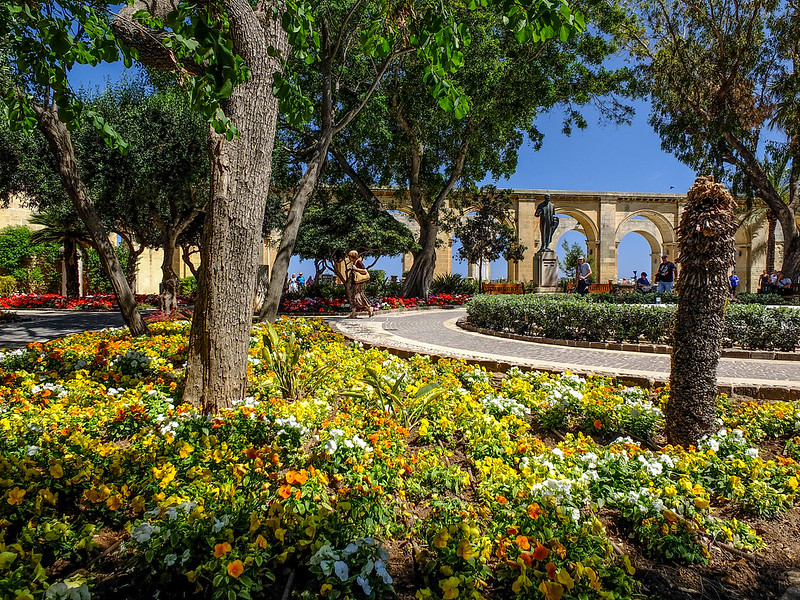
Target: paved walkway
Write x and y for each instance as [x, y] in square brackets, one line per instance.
[436, 332]
[43, 325]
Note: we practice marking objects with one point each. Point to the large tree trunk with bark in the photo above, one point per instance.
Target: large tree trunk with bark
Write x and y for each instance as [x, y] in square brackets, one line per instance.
[706, 255]
[418, 281]
[240, 173]
[60, 142]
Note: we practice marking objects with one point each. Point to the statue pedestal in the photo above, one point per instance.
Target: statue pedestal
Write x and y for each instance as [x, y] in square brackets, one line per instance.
[545, 271]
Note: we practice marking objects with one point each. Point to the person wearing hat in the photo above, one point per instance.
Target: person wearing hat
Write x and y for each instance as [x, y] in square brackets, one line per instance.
[642, 284]
[584, 274]
[666, 275]
[301, 281]
[358, 299]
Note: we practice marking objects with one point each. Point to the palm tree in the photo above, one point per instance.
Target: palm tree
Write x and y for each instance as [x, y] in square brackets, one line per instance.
[706, 250]
[63, 226]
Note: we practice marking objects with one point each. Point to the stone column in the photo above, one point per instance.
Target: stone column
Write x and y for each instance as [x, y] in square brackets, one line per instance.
[528, 232]
[444, 254]
[605, 262]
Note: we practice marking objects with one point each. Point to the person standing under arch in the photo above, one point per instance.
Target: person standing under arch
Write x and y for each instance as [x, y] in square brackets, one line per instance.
[665, 277]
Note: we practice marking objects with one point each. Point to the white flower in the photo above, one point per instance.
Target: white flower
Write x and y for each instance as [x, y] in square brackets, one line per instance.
[752, 452]
[144, 532]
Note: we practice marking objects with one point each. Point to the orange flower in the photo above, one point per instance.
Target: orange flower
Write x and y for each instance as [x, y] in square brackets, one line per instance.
[285, 491]
[551, 569]
[598, 424]
[235, 568]
[522, 542]
[526, 558]
[501, 500]
[221, 549]
[297, 477]
[534, 511]
[541, 553]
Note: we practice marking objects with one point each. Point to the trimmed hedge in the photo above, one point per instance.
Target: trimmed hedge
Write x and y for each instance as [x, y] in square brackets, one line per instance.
[752, 327]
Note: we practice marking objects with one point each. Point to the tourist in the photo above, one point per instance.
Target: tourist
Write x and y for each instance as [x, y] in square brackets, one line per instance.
[358, 299]
[584, 274]
[666, 275]
[764, 283]
[301, 281]
[734, 281]
[783, 284]
[310, 281]
[643, 284]
[293, 287]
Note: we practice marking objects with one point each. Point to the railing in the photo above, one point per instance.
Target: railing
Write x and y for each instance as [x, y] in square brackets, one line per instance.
[503, 288]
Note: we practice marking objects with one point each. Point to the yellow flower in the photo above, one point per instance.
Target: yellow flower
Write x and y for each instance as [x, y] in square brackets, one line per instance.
[441, 538]
[465, 550]
[16, 495]
[56, 470]
[449, 588]
[114, 502]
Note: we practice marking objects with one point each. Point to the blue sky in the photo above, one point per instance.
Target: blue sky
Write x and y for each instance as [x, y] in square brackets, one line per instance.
[604, 157]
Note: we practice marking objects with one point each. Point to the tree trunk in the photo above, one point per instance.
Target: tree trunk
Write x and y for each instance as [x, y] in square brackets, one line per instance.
[72, 277]
[60, 142]
[418, 281]
[280, 268]
[706, 251]
[170, 285]
[240, 172]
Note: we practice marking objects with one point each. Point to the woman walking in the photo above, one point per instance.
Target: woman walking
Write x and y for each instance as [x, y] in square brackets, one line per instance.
[358, 299]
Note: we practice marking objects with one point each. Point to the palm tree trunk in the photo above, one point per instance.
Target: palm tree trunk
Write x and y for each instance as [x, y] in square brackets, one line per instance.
[706, 255]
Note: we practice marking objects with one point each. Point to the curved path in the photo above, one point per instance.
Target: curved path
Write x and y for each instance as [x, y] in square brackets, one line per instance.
[435, 332]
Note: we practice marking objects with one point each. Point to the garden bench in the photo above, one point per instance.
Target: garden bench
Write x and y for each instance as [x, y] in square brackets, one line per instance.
[594, 288]
[503, 288]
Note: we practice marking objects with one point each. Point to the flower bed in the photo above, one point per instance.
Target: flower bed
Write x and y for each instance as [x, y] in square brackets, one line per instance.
[752, 327]
[341, 305]
[54, 301]
[331, 478]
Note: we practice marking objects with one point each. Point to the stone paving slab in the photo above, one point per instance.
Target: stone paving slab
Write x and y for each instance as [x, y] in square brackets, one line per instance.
[435, 332]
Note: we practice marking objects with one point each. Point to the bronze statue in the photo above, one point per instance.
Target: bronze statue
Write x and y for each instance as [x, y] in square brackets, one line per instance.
[548, 221]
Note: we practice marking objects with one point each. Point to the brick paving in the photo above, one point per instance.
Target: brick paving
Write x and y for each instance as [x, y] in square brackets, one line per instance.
[435, 332]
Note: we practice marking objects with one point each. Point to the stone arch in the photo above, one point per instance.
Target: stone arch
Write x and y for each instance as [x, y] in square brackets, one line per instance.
[663, 225]
[585, 222]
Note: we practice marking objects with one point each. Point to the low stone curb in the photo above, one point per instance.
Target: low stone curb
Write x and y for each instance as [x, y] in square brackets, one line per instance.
[753, 390]
[627, 347]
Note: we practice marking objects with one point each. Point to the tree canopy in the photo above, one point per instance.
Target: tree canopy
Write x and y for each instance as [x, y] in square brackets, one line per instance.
[723, 80]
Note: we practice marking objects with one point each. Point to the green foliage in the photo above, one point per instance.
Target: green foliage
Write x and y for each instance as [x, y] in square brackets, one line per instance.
[486, 234]
[285, 358]
[97, 281]
[42, 44]
[568, 318]
[569, 265]
[453, 283]
[34, 266]
[383, 390]
[188, 286]
[340, 220]
[8, 285]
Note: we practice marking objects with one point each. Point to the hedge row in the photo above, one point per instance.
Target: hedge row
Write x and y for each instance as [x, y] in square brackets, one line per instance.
[752, 327]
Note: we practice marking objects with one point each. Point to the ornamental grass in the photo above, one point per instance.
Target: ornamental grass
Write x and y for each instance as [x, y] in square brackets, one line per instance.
[388, 476]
